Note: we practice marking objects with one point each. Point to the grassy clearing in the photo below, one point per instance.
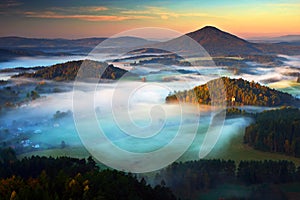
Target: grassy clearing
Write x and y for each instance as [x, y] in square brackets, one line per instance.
[284, 84]
[238, 151]
[235, 150]
[76, 152]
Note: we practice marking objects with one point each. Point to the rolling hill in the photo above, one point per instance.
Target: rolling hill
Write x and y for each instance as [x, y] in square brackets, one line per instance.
[220, 43]
[15, 47]
[21, 42]
[236, 92]
[8, 54]
[70, 70]
[215, 41]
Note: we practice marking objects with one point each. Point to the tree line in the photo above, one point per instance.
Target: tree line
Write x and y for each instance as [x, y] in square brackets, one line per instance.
[233, 92]
[275, 131]
[193, 177]
[70, 70]
[70, 178]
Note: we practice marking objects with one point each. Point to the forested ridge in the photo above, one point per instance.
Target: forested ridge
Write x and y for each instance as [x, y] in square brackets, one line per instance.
[69, 71]
[276, 131]
[233, 92]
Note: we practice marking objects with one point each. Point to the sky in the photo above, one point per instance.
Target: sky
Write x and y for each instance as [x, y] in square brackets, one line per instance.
[99, 18]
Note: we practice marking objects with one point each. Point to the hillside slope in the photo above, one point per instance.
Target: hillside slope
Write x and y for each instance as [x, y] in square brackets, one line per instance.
[69, 70]
[239, 92]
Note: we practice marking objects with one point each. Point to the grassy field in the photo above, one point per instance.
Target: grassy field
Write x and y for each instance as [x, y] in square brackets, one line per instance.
[238, 151]
[235, 150]
[291, 87]
[75, 152]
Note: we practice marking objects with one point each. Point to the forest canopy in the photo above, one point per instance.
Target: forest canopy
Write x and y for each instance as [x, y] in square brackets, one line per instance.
[276, 131]
[72, 178]
[68, 71]
[233, 92]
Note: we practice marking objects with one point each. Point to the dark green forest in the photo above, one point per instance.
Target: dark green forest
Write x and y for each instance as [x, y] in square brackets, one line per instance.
[275, 131]
[11, 96]
[69, 70]
[233, 92]
[192, 178]
[71, 178]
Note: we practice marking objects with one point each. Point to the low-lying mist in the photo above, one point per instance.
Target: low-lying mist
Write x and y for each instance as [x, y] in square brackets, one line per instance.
[133, 114]
[47, 123]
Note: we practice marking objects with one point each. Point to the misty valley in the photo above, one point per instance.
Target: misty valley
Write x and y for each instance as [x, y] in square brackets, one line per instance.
[240, 105]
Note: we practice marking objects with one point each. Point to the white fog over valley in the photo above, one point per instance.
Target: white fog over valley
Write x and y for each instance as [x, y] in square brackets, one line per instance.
[47, 124]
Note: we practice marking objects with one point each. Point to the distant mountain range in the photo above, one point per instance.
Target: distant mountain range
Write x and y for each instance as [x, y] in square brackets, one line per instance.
[23, 43]
[215, 41]
[13, 47]
[8, 54]
[292, 39]
[219, 43]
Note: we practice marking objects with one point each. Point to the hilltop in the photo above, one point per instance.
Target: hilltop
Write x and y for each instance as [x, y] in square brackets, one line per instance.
[69, 70]
[239, 92]
[220, 43]
[217, 42]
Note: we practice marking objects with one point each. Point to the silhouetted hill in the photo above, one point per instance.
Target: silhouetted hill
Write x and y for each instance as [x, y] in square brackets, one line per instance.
[7, 54]
[280, 39]
[279, 48]
[215, 41]
[20, 42]
[69, 70]
[218, 42]
[14, 47]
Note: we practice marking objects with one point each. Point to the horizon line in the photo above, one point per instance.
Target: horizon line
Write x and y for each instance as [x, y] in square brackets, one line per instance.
[258, 36]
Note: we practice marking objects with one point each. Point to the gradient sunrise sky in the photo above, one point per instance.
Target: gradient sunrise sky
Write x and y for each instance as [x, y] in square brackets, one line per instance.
[90, 18]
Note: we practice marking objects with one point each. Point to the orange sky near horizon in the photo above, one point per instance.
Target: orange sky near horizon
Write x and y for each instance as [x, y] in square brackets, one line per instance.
[78, 19]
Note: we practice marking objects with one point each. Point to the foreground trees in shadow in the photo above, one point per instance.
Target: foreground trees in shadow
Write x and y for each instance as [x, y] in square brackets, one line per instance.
[72, 178]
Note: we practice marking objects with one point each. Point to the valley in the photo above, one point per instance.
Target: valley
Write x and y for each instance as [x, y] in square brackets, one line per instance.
[199, 108]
